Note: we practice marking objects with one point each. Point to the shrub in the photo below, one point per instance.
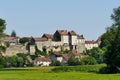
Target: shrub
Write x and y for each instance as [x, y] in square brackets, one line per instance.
[88, 61]
[72, 61]
[56, 63]
[106, 70]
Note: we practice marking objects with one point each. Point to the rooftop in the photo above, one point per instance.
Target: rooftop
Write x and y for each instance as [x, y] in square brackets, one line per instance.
[40, 39]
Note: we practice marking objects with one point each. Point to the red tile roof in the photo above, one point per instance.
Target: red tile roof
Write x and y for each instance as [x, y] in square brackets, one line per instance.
[43, 59]
[80, 37]
[74, 52]
[10, 38]
[63, 32]
[72, 33]
[40, 39]
[48, 36]
[90, 42]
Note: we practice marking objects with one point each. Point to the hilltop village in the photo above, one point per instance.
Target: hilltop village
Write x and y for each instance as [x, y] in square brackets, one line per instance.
[62, 40]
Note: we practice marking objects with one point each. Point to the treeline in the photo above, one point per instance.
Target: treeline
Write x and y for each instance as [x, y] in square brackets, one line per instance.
[19, 60]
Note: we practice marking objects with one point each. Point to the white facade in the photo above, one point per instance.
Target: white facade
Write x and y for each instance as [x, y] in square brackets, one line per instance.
[42, 63]
[80, 41]
[65, 39]
[74, 40]
[90, 46]
[59, 59]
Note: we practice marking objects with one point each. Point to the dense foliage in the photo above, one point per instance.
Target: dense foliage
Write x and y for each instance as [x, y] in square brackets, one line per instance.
[88, 61]
[56, 63]
[111, 41]
[23, 40]
[72, 61]
[96, 53]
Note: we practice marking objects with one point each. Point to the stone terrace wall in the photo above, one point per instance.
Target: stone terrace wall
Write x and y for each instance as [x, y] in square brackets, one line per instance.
[14, 49]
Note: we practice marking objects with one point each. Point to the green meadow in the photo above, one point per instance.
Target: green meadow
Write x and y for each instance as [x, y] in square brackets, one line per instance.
[45, 73]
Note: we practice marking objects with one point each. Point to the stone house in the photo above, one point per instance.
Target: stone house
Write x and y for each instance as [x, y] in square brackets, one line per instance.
[91, 44]
[12, 40]
[65, 58]
[74, 53]
[48, 36]
[42, 61]
[62, 58]
[56, 56]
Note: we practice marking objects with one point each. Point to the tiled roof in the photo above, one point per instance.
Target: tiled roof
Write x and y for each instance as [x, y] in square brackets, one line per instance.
[48, 36]
[90, 42]
[43, 59]
[72, 33]
[63, 32]
[40, 39]
[80, 37]
[10, 38]
[74, 52]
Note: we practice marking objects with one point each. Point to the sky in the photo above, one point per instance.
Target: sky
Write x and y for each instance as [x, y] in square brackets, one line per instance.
[36, 17]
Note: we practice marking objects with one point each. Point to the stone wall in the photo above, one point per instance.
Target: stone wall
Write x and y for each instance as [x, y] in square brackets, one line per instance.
[14, 49]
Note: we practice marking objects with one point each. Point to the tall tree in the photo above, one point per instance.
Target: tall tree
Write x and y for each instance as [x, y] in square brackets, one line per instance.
[111, 31]
[13, 34]
[2, 25]
[2, 28]
[112, 55]
[116, 15]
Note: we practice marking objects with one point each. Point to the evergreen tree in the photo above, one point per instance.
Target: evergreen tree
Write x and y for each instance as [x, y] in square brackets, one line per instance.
[13, 34]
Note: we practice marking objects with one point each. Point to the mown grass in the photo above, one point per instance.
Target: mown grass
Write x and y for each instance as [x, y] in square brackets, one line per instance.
[45, 73]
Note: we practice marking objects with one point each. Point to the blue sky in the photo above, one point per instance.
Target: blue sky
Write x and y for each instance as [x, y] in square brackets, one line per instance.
[35, 17]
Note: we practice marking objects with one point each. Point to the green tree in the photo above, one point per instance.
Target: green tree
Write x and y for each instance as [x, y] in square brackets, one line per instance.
[108, 36]
[2, 50]
[2, 62]
[116, 15]
[2, 34]
[13, 34]
[2, 26]
[88, 61]
[97, 53]
[13, 61]
[112, 55]
[23, 40]
[20, 62]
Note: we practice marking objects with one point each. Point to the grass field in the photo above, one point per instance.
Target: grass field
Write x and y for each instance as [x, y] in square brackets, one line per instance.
[46, 74]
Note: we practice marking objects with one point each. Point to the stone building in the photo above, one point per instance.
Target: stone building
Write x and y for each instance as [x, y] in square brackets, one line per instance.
[60, 40]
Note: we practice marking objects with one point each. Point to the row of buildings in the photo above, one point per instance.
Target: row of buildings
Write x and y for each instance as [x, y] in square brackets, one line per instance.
[60, 40]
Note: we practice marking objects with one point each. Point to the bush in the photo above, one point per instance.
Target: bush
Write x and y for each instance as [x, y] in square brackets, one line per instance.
[106, 70]
[88, 61]
[2, 62]
[56, 63]
[72, 61]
